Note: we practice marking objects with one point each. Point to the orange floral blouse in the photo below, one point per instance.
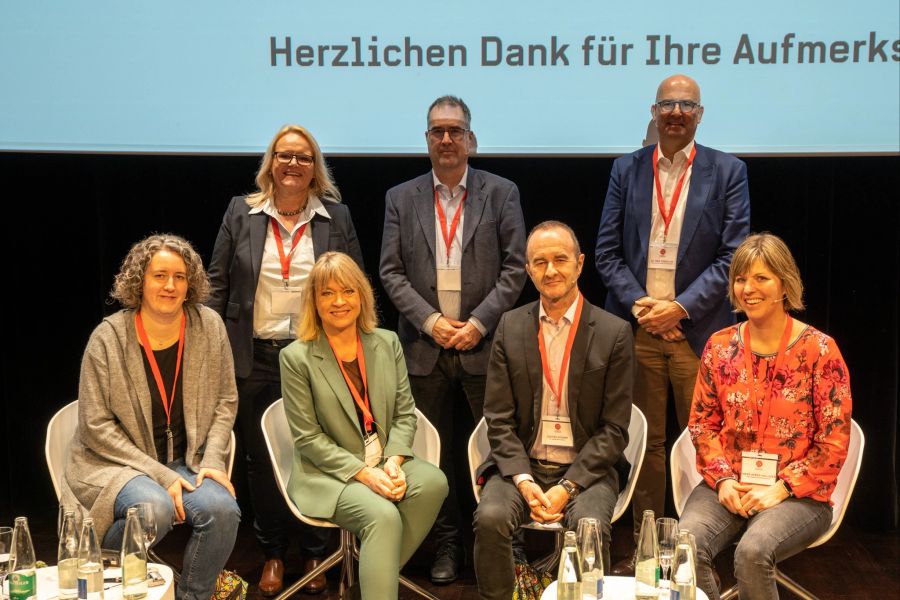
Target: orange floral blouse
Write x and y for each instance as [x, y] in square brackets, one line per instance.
[808, 423]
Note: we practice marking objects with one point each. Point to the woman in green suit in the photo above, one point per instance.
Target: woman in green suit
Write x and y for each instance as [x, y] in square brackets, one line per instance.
[353, 420]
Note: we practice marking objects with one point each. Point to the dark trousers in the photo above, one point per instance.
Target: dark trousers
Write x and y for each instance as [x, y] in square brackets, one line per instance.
[272, 519]
[437, 395]
[503, 509]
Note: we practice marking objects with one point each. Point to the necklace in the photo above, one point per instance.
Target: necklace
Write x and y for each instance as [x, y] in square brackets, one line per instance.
[289, 213]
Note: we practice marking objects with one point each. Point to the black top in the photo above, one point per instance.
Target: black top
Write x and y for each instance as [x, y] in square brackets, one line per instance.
[355, 375]
[166, 360]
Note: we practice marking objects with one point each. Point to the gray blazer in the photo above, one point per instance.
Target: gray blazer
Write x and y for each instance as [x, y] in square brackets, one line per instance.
[493, 262]
[114, 439]
[601, 379]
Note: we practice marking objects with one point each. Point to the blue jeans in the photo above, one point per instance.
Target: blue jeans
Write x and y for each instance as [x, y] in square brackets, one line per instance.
[212, 514]
[770, 536]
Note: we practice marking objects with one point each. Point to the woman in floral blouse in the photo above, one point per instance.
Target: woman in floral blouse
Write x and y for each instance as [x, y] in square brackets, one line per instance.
[771, 426]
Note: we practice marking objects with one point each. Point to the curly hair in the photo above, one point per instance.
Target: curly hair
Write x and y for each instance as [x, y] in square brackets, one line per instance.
[128, 286]
[322, 184]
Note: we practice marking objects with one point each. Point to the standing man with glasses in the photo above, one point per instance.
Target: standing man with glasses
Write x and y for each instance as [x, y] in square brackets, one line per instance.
[673, 216]
[452, 262]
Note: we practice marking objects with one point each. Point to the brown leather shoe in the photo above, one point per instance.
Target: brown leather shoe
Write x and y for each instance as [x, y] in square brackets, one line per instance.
[318, 584]
[272, 580]
[623, 568]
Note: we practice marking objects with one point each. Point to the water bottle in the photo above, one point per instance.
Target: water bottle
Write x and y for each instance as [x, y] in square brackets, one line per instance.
[133, 558]
[67, 557]
[590, 552]
[646, 560]
[684, 583]
[568, 580]
[22, 577]
[90, 563]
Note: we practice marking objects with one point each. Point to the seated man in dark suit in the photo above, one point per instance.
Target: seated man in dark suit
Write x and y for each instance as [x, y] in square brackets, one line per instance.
[555, 440]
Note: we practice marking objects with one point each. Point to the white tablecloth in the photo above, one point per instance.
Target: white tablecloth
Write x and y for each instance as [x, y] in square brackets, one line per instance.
[615, 588]
[48, 584]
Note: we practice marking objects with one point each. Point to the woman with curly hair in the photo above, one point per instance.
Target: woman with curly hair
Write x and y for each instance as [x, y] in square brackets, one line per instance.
[770, 420]
[156, 404]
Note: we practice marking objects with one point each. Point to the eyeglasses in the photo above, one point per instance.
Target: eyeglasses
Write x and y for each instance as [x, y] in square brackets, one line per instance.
[456, 133]
[686, 106]
[285, 158]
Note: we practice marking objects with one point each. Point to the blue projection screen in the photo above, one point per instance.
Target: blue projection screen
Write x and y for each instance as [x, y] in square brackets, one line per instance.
[571, 77]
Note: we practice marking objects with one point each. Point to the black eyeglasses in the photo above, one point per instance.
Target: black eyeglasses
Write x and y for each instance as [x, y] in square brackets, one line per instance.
[456, 133]
[686, 106]
[285, 158]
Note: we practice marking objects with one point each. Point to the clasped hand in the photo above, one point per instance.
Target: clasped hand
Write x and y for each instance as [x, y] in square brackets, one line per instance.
[388, 481]
[546, 507]
[661, 318]
[460, 335]
[747, 499]
[177, 488]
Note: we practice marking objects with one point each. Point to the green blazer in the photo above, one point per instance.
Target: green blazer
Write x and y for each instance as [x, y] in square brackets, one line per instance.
[328, 441]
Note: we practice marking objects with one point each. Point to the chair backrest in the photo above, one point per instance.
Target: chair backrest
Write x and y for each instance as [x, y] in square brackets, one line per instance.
[685, 476]
[61, 430]
[480, 449]
[277, 434]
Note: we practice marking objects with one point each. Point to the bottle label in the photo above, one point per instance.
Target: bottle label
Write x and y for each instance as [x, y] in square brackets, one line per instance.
[22, 585]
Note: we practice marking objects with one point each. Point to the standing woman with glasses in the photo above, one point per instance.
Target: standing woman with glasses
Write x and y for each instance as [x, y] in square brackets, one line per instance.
[265, 250]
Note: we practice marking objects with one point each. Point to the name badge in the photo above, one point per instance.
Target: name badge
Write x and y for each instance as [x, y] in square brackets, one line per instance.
[373, 450]
[662, 255]
[557, 431]
[759, 468]
[286, 300]
[449, 280]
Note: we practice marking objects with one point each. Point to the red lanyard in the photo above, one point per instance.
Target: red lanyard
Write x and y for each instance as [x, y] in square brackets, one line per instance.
[760, 422]
[148, 352]
[660, 201]
[361, 402]
[286, 258]
[545, 362]
[448, 236]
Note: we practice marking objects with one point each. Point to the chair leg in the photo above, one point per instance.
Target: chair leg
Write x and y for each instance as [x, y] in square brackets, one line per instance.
[417, 589]
[730, 593]
[793, 586]
[348, 554]
[550, 561]
[329, 562]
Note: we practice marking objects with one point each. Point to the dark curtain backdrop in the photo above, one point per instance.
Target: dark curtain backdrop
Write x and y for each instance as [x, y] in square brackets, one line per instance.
[68, 220]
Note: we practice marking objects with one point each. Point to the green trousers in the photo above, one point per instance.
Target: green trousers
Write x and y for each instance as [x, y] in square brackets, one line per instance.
[389, 532]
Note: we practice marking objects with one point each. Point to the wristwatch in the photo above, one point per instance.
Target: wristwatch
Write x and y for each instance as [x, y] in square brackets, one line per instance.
[787, 488]
[571, 488]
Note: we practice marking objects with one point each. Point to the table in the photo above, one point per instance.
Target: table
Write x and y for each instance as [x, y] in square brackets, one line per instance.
[614, 588]
[48, 589]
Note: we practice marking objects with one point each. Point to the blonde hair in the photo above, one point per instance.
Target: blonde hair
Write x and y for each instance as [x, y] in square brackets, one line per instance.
[128, 286]
[776, 256]
[340, 268]
[322, 185]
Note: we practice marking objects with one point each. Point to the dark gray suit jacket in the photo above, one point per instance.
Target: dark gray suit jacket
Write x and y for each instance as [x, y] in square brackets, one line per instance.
[237, 258]
[601, 377]
[493, 262]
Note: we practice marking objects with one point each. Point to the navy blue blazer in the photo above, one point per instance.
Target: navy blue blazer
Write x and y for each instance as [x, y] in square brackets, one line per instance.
[237, 258]
[716, 221]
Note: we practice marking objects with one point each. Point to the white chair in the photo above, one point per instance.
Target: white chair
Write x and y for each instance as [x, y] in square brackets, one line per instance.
[685, 478]
[426, 445]
[480, 448]
[61, 430]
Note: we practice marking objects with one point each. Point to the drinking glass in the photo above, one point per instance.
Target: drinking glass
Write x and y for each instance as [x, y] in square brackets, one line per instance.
[666, 536]
[148, 522]
[5, 547]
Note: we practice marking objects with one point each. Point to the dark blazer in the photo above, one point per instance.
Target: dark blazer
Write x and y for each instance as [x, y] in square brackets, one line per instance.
[237, 258]
[601, 374]
[716, 221]
[328, 442]
[493, 262]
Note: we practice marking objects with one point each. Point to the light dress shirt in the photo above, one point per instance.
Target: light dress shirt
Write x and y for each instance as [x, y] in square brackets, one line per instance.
[555, 336]
[661, 282]
[449, 300]
[267, 325]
